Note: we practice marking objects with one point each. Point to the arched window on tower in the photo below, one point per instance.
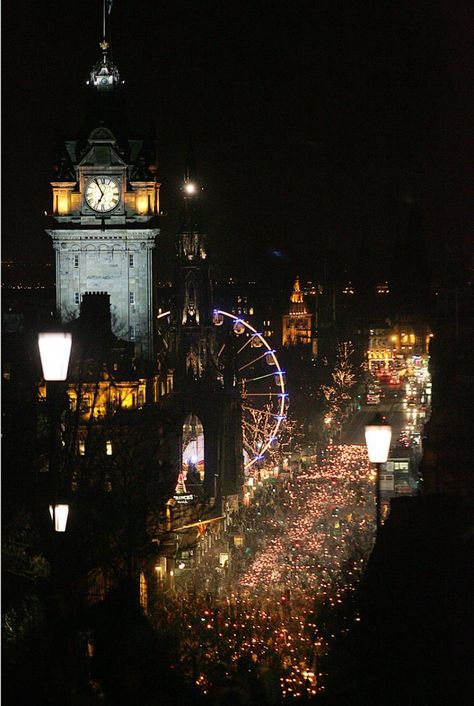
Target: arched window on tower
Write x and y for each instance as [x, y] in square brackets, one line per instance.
[193, 450]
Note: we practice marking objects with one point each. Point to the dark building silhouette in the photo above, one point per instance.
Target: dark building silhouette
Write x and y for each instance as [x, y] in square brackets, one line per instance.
[413, 643]
[204, 389]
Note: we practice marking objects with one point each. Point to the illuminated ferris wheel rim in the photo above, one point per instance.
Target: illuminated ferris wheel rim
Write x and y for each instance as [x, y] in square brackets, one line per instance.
[280, 416]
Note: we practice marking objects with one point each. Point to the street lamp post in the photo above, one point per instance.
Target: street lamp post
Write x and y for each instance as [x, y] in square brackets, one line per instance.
[378, 435]
[55, 351]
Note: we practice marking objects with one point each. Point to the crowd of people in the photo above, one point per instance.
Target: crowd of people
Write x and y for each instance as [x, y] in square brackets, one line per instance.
[264, 623]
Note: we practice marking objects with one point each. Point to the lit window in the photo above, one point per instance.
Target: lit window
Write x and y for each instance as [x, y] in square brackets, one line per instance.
[131, 297]
[108, 448]
[130, 261]
[82, 448]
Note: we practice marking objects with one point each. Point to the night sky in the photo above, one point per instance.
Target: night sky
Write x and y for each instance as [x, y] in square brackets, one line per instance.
[318, 127]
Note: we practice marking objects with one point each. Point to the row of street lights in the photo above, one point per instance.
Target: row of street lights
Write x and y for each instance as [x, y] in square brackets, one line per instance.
[55, 351]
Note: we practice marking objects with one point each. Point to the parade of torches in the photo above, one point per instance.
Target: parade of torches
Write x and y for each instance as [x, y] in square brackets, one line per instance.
[312, 537]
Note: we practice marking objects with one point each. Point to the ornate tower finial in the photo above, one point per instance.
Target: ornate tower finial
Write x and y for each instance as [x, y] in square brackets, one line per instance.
[104, 75]
[297, 294]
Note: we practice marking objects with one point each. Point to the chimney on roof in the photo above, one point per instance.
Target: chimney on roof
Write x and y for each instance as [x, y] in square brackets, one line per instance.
[95, 313]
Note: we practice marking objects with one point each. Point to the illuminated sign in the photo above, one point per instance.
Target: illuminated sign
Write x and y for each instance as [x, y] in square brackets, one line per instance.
[184, 499]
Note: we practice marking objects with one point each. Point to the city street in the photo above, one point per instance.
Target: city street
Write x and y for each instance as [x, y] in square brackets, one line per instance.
[404, 419]
[240, 264]
[391, 407]
[288, 593]
[307, 543]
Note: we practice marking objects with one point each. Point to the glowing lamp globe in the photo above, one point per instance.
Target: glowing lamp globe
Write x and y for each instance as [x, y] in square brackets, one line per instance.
[378, 435]
[55, 350]
[59, 514]
[189, 187]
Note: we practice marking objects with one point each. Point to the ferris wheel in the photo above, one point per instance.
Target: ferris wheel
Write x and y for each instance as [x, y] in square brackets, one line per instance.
[260, 380]
[261, 383]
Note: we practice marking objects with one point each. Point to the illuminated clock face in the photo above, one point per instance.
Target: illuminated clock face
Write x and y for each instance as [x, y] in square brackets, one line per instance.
[102, 193]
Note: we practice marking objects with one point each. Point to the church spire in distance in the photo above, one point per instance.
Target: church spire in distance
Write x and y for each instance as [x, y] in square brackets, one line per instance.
[193, 303]
[191, 215]
[190, 166]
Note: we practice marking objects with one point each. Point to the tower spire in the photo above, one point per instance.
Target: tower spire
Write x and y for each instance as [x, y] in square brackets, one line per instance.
[105, 75]
[190, 165]
[190, 213]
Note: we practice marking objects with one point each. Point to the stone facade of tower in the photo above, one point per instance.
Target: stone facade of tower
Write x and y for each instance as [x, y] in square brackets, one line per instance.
[105, 203]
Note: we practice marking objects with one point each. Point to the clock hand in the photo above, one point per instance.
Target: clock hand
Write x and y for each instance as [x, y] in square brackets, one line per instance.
[100, 189]
[103, 193]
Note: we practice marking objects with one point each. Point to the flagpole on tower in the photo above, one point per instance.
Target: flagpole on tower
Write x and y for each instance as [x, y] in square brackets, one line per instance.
[106, 10]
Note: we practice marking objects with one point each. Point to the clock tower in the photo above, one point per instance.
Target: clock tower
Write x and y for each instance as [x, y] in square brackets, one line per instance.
[105, 207]
[297, 323]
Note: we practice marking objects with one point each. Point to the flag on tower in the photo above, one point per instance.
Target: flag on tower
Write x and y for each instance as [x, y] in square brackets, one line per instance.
[109, 4]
